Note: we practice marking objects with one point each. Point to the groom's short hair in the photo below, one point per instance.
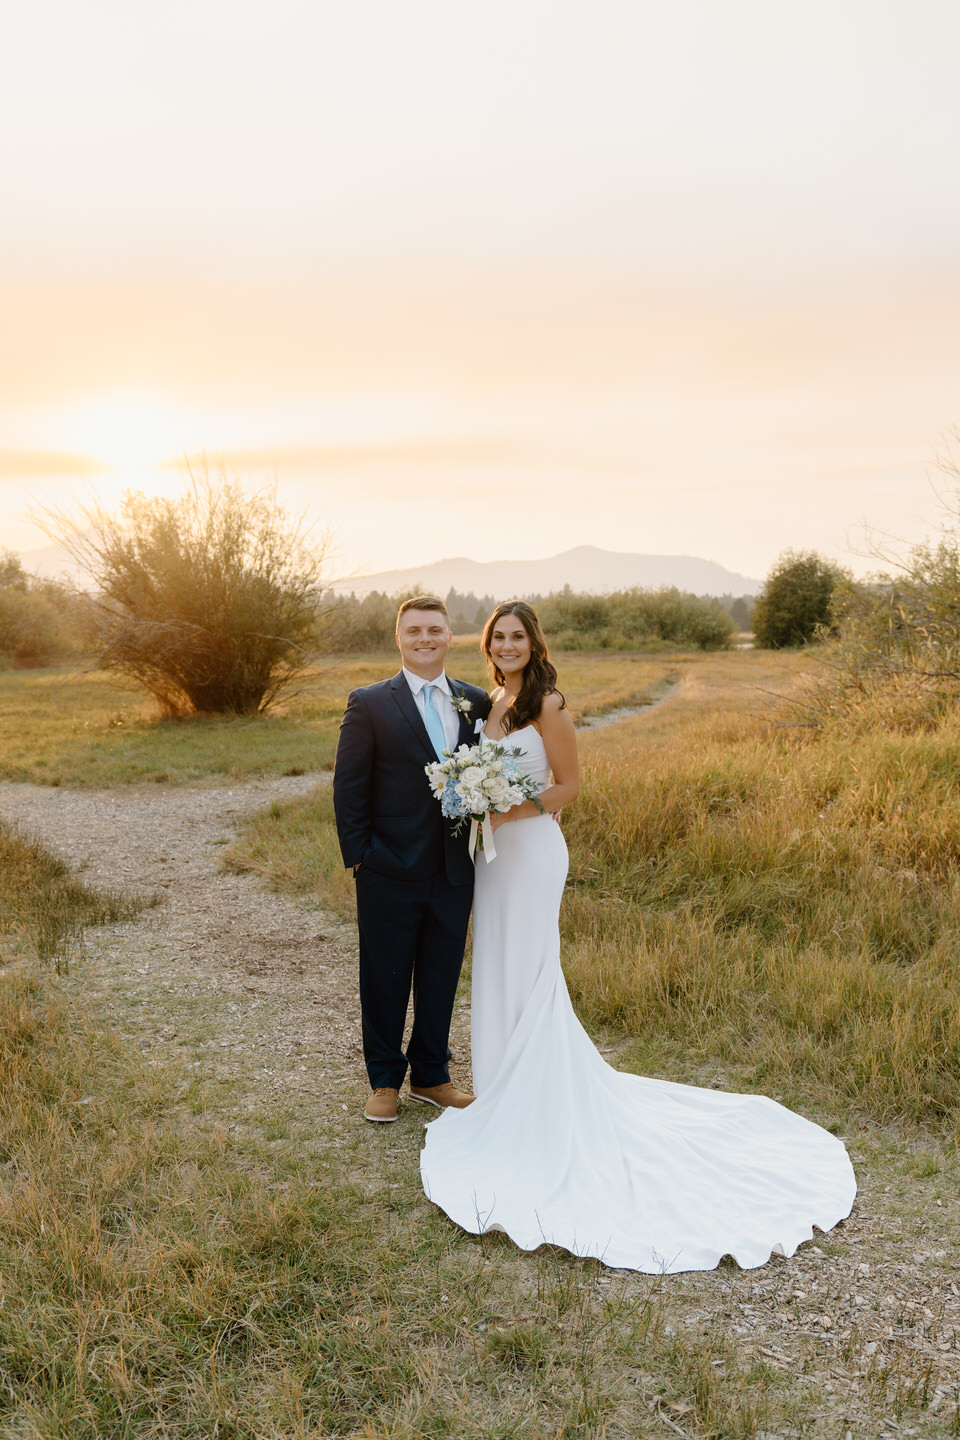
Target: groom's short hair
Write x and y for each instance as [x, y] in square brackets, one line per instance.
[423, 602]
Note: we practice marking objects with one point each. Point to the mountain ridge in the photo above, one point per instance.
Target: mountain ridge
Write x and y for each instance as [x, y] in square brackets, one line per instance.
[584, 567]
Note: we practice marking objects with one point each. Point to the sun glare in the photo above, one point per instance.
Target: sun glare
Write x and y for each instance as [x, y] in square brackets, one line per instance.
[129, 433]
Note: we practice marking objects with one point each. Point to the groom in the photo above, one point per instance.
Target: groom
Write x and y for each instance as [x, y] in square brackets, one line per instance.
[414, 879]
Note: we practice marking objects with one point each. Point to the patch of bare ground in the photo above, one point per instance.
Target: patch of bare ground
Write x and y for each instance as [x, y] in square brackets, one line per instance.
[256, 994]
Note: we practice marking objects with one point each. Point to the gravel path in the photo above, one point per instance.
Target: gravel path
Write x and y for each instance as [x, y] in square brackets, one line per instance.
[259, 992]
[279, 977]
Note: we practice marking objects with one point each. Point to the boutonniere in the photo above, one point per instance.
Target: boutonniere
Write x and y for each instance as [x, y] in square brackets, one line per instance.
[461, 703]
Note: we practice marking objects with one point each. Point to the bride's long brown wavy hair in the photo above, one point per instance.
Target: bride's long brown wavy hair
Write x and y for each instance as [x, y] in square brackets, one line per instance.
[540, 675]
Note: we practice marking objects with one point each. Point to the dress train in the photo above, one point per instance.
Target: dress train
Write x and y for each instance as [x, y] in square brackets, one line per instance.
[561, 1148]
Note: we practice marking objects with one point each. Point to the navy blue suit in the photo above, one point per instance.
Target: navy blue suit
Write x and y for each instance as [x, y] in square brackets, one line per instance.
[415, 882]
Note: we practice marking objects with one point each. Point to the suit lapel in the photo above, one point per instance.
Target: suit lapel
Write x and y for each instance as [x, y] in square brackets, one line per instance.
[465, 722]
[404, 698]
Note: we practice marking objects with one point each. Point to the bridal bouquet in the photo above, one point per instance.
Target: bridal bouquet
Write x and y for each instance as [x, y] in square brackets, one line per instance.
[477, 781]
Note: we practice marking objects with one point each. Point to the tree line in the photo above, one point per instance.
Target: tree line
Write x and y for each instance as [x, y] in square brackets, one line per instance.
[622, 620]
[217, 600]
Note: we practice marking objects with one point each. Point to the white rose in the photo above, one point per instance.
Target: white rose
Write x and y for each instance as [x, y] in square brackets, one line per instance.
[472, 775]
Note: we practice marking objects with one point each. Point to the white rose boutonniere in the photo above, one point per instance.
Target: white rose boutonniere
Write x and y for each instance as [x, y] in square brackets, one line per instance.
[462, 704]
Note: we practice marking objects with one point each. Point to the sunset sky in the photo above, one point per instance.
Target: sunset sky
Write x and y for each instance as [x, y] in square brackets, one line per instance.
[487, 280]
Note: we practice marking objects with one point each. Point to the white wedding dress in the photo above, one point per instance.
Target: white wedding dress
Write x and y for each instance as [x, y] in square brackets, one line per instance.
[561, 1148]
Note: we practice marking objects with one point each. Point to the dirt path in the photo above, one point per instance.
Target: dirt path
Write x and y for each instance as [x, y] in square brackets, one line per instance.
[278, 978]
[257, 992]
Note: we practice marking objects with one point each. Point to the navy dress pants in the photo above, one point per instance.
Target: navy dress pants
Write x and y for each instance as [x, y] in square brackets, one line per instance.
[412, 934]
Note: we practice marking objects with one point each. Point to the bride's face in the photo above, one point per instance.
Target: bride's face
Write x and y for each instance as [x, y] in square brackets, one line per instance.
[510, 647]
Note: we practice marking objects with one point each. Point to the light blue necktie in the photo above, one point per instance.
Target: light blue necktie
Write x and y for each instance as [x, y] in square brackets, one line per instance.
[432, 721]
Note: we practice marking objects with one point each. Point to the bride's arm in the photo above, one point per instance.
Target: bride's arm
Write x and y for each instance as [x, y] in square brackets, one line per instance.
[560, 742]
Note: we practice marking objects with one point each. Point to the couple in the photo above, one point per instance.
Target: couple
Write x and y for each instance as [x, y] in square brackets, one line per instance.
[557, 1147]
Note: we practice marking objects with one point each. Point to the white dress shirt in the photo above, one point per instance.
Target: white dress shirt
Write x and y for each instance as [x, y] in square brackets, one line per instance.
[449, 718]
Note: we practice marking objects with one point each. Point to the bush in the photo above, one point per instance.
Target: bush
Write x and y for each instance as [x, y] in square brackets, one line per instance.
[32, 631]
[209, 600]
[795, 604]
[39, 619]
[894, 663]
[635, 619]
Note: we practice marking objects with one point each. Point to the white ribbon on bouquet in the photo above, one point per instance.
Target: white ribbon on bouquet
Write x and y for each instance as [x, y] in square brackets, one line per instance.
[482, 827]
[478, 827]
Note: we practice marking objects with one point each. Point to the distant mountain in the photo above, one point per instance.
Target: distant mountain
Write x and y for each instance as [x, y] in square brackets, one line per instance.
[585, 568]
[53, 563]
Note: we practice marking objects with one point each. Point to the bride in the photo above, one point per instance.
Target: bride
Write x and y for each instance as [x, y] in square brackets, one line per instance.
[559, 1147]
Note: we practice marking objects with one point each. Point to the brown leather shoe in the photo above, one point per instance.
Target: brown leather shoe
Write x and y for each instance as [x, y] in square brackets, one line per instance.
[382, 1106]
[442, 1096]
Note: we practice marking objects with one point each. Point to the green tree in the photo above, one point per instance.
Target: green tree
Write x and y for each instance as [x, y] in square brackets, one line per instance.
[12, 574]
[352, 625]
[209, 600]
[796, 601]
[741, 611]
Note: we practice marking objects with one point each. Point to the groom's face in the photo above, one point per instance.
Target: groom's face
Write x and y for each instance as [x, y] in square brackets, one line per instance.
[424, 639]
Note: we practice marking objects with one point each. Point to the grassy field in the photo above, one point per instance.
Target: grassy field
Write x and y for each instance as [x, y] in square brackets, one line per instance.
[749, 904]
[70, 727]
[164, 1275]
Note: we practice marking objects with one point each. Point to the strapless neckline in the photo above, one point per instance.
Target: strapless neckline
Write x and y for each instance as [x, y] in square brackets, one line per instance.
[502, 739]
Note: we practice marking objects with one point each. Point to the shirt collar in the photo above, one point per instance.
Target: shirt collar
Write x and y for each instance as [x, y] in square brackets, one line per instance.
[417, 682]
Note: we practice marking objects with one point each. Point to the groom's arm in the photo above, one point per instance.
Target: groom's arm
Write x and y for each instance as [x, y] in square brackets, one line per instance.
[352, 782]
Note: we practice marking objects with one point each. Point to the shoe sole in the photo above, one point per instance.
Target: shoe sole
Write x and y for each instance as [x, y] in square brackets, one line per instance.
[425, 1100]
[379, 1119]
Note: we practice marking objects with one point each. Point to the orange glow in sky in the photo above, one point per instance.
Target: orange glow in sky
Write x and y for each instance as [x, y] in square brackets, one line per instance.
[674, 279]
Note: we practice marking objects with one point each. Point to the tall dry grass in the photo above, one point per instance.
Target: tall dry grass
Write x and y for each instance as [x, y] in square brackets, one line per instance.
[169, 1277]
[43, 906]
[788, 904]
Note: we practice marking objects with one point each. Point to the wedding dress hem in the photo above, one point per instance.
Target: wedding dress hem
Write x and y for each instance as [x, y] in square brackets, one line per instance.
[645, 1260]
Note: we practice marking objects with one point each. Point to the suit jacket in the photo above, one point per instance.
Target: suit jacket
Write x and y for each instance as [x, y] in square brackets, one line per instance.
[387, 817]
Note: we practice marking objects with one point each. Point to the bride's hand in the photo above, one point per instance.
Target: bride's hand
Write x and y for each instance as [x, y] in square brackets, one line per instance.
[497, 820]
